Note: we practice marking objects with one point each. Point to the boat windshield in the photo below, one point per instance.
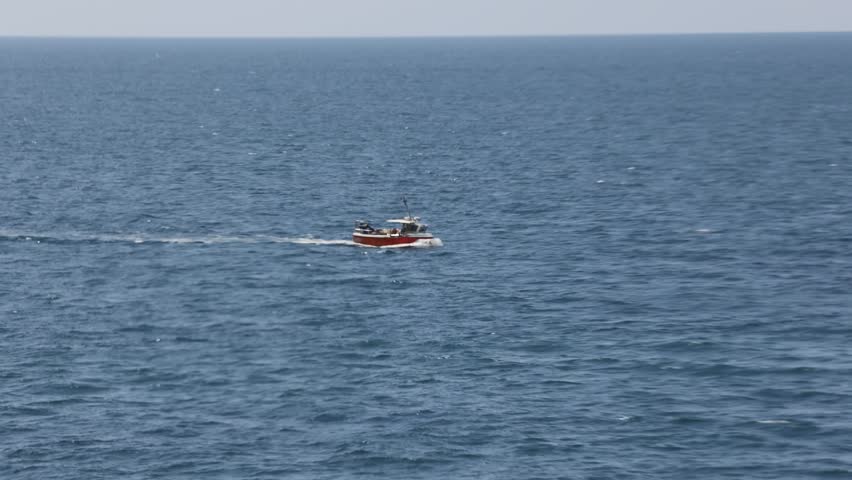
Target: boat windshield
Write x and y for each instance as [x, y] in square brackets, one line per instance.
[413, 228]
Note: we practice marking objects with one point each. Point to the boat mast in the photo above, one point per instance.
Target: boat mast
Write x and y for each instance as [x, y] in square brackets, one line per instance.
[405, 202]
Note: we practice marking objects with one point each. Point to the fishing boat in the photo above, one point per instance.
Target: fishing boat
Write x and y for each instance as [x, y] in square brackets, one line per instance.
[409, 231]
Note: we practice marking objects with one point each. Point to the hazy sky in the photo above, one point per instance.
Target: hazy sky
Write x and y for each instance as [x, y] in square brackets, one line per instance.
[288, 18]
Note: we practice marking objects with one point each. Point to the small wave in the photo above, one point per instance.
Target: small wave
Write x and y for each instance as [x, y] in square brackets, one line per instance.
[774, 422]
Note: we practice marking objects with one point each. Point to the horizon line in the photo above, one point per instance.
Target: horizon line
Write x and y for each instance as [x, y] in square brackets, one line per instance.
[416, 37]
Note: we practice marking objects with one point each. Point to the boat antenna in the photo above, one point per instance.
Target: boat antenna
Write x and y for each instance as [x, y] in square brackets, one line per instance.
[405, 202]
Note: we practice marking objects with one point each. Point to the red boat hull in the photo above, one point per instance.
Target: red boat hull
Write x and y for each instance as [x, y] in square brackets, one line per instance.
[385, 241]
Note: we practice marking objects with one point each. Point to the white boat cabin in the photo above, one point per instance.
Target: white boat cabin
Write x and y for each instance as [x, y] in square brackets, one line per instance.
[407, 226]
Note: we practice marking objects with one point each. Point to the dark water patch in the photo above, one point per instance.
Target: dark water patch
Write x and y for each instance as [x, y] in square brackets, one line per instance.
[181, 339]
[140, 328]
[799, 394]
[27, 410]
[151, 375]
[329, 417]
[70, 388]
[690, 420]
[536, 447]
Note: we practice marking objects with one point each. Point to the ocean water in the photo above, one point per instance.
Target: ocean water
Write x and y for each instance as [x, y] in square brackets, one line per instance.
[645, 270]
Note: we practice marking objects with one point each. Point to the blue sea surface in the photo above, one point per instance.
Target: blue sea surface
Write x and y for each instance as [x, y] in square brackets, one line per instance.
[645, 271]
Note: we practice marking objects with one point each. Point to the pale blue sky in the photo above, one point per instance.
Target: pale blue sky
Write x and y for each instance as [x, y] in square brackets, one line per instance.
[312, 18]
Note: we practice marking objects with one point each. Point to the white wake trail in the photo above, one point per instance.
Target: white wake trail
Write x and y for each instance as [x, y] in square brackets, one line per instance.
[141, 238]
